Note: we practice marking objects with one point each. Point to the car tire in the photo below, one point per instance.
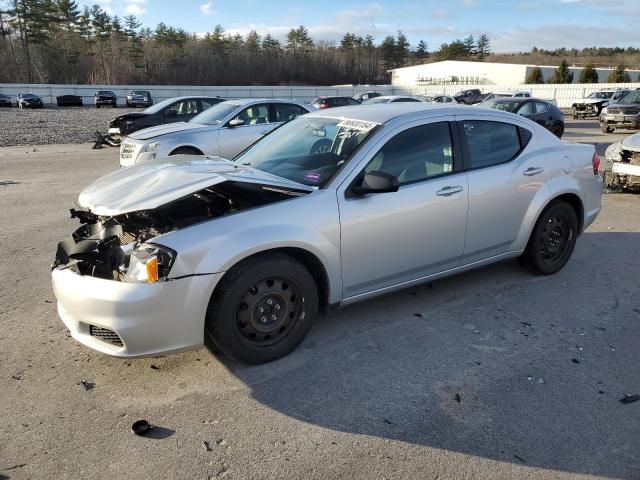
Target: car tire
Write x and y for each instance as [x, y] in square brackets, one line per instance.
[97, 105]
[186, 151]
[552, 240]
[558, 131]
[574, 113]
[606, 129]
[262, 309]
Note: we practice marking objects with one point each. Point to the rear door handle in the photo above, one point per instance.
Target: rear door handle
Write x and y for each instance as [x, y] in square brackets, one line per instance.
[446, 191]
[532, 171]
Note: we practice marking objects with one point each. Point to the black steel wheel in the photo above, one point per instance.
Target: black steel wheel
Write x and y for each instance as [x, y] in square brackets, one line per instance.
[262, 309]
[552, 240]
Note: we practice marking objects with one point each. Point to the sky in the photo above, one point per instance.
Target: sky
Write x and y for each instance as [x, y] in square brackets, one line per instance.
[516, 25]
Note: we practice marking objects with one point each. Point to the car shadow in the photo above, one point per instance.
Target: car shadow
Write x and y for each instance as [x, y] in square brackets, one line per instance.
[494, 363]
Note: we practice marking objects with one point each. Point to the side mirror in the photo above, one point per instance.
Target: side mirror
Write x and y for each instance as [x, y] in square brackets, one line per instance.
[171, 114]
[236, 122]
[376, 182]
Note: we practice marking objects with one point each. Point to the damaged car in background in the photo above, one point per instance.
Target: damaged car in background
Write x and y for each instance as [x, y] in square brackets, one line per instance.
[241, 255]
[625, 168]
[592, 104]
[625, 114]
[171, 110]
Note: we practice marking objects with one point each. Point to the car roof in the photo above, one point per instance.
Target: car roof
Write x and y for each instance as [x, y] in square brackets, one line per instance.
[386, 112]
[393, 97]
[251, 101]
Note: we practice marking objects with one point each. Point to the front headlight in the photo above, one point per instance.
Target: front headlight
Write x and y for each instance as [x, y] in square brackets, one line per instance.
[148, 263]
[613, 152]
[605, 110]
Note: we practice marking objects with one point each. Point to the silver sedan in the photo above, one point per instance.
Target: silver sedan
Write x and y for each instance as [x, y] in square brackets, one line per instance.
[332, 208]
[225, 129]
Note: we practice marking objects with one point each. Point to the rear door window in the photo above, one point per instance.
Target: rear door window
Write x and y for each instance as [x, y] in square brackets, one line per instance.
[541, 107]
[491, 143]
[288, 111]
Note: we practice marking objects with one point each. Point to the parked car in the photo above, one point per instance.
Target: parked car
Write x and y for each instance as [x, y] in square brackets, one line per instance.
[592, 104]
[437, 98]
[242, 255]
[139, 98]
[69, 101]
[391, 99]
[625, 168]
[5, 100]
[361, 97]
[225, 130]
[171, 110]
[330, 102]
[507, 93]
[625, 113]
[469, 97]
[540, 111]
[105, 97]
[29, 100]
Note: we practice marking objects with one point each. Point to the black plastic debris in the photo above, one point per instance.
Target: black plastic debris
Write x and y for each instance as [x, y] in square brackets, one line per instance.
[575, 360]
[458, 398]
[140, 427]
[87, 385]
[419, 315]
[518, 457]
[206, 446]
[155, 367]
[630, 398]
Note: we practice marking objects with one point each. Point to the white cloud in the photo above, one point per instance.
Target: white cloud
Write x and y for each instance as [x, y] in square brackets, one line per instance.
[134, 9]
[139, 2]
[207, 8]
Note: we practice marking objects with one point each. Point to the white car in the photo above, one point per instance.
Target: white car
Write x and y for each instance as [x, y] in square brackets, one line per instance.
[242, 255]
[508, 93]
[391, 99]
[625, 169]
[438, 98]
[225, 129]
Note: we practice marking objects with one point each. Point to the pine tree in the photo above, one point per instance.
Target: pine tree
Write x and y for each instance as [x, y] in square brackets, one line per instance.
[422, 49]
[402, 49]
[588, 74]
[562, 74]
[482, 46]
[619, 75]
[535, 76]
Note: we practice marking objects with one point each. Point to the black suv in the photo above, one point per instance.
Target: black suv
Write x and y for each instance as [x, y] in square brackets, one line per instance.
[469, 97]
[106, 97]
[139, 98]
[329, 102]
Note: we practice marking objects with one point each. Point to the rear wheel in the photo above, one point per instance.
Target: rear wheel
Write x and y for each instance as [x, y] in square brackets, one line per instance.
[558, 131]
[262, 309]
[552, 240]
[186, 151]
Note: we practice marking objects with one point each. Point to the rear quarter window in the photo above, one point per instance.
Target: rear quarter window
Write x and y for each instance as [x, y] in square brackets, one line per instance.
[493, 143]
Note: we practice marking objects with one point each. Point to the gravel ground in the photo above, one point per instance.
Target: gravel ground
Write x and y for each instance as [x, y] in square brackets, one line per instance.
[492, 374]
[54, 125]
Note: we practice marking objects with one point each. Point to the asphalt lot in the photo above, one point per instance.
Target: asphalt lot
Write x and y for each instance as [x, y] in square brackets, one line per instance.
[469, 377]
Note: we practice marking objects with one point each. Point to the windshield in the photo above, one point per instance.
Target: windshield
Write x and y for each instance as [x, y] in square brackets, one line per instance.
[215, 114]
[139, 92]
[601, 95]
[105, 92]
[631, 98]
[511, 107]
[308, 150]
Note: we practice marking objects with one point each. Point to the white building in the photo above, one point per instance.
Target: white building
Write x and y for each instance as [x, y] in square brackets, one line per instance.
[482, 73]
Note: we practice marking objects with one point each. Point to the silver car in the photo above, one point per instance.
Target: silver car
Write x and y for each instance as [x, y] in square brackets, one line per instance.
[225, 129]
[332, 208]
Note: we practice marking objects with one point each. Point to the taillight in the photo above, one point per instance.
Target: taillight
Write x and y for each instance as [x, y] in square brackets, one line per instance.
[323, 106]
[595, 161]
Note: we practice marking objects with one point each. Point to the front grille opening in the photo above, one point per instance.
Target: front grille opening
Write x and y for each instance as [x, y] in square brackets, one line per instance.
[106, 335]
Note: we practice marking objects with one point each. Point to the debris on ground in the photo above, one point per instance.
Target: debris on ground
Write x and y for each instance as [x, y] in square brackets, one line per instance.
[140, 427]
[630, 398]
[458, 398]
[87, 385]
[419, 315]
[575, 360]
[206, 446]
[518, 457]
[155, 367]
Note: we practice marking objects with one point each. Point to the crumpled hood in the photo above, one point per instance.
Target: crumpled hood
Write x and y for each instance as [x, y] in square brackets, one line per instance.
[631, 142]
[589, 101]
[152, 132]
[149, 185]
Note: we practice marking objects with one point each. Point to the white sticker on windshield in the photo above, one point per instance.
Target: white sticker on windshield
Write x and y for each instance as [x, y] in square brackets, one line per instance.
[361, 125]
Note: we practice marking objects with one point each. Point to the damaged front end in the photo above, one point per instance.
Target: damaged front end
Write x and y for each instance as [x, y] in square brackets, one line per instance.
[625, 169]
[122, 248]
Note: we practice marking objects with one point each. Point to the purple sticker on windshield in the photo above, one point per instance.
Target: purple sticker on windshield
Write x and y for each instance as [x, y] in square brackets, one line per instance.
[312, 177]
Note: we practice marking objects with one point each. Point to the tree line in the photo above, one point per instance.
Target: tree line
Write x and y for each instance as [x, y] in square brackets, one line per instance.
[588, 74]
[56, 41]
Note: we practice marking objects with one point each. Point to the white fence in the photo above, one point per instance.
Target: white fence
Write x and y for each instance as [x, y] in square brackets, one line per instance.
[565, 95]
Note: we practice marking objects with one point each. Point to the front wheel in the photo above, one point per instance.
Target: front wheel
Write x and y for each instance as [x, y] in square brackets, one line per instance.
[552, 240]
[606, 129]
[574, 113]
[262, 309]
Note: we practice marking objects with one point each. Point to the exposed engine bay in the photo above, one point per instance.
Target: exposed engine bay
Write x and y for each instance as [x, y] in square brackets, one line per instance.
[103, 245]
[625, 171]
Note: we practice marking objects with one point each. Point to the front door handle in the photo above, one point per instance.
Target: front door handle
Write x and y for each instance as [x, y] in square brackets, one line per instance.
[264, 132]
[446, 191]
[532, 171]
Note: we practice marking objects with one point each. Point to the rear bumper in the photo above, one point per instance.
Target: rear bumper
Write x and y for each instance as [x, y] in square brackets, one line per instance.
[149, 319]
